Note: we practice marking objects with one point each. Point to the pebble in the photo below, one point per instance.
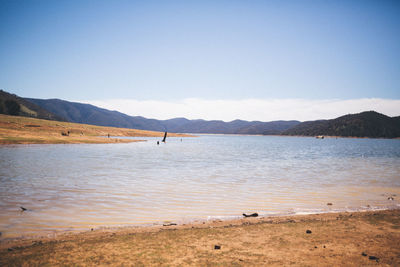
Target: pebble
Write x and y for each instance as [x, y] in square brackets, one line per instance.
[374, 258]
[217, 247]
[364, 254]
[329, 204]
[308, 232]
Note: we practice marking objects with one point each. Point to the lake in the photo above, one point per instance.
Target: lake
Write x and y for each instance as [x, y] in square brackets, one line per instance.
[79, 187]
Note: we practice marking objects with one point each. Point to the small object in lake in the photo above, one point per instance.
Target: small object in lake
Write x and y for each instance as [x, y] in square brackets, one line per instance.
[108, 135]
[217, 247]
[319, 137]
[329, 204]
[308, 232]
[158, 142]
[165, 137]
[23, 209]
[250, 215]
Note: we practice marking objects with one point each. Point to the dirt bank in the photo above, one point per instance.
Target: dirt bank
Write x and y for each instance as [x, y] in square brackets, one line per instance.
[23, 130]
[335, 239]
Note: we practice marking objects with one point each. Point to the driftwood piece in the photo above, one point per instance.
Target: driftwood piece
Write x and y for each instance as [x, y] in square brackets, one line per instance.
[165, 137]
[250, 215]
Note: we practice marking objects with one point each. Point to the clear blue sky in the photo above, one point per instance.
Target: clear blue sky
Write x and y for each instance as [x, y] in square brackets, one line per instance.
[169, 50]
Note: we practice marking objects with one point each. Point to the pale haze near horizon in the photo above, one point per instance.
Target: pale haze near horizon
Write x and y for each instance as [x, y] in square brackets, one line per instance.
[258, 60]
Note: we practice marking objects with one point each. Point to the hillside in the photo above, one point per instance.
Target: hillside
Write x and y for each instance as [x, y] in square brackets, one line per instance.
[11, 104]
[24, 130]
[366, 124]
[89, 114]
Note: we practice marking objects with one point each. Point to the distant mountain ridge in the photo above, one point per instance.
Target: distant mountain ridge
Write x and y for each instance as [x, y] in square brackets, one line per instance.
[365, 124]
[89, 114]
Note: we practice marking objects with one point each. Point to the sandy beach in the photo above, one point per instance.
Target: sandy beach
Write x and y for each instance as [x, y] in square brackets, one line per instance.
[23, 130]
[335, 239]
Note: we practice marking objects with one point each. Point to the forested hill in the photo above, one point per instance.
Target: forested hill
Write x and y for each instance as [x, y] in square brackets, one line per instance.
[366, 124]
[11, 104]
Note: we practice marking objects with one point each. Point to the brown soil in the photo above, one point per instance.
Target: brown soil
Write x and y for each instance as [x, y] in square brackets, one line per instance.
[23, 130]
[336, 239]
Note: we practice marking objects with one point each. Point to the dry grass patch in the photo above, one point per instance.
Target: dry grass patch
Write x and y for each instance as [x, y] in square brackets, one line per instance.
[23, 130]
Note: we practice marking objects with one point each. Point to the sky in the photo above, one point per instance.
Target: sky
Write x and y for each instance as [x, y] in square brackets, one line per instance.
[252, 60]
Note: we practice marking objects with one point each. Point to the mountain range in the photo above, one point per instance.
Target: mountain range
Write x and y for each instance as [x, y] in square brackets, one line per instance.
[365, 124]
[89, 114]
[56, 109]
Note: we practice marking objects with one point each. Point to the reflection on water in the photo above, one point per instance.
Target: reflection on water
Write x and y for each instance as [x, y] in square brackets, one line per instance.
[78, 187]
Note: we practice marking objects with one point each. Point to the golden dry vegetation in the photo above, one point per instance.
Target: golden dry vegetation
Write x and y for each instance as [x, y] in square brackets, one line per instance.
[336, 239]
[24, 130]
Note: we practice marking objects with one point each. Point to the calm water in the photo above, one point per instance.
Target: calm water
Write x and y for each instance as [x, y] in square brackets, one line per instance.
[78, 187]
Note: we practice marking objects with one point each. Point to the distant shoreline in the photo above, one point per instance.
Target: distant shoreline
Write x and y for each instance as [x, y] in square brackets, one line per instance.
[345, 137]
[25, 130]
[284, 135]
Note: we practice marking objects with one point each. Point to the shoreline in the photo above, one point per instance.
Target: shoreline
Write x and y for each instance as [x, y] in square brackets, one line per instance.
[284, 135]
[337, 137]
[217, 221]
[339, 236]
[73, 230]
[24, 130]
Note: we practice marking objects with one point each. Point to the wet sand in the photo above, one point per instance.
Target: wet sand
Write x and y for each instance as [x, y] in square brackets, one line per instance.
[337, 239]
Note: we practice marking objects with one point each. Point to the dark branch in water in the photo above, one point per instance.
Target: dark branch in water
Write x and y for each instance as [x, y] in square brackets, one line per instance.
[165, 137]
